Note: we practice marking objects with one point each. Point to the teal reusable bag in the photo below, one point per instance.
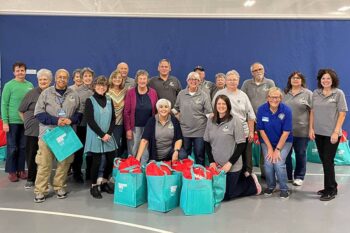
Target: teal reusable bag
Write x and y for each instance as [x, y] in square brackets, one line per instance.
[62, 141]
[219, 187]
[130, 189]
[256, 154]
[3, 152]
[197, 196]
[163, 191]
[312, 153]
[342, 156]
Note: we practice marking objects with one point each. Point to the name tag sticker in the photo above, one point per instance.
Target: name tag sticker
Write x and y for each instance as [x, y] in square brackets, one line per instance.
[265, 119]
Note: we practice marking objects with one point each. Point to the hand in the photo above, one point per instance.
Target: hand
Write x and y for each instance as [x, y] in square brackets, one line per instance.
[269, 154]
[175, 156]
[106, 138]
[129, 134]
[312, 134]
[334, 138]
[177, 116]
[211, 115]
[61, 121]
[67, 121]
[5, 128]
[276, 156]
[251, 137]
[213, 165]
[226, 167]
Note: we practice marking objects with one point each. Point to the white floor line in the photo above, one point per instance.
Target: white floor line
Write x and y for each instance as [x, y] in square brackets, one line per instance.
[86, 217]
[315, 174]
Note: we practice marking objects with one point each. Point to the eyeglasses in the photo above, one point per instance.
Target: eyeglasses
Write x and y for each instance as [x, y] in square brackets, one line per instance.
[62, 77]
[274, 97]
[193, 79]
[296, 78]
[259, 69]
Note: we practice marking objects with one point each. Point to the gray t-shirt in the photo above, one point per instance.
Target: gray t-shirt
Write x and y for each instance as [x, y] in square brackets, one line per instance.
[207, 87]
[31, 124]
[168, 89]
[129, 82]
[223, 139]
[300, 105]
[164, 138]
[83, 92]
[326, 110]
[257, 93]
[193, 110]
[241, 107]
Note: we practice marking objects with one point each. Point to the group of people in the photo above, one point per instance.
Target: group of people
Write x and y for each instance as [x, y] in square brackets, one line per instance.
[155, 119]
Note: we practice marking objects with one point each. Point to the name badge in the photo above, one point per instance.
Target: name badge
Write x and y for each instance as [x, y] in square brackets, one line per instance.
[61, 113]
[265, 119]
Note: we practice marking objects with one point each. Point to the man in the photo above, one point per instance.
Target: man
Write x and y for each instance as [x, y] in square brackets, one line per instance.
[12, 96]
[166, 86]
[123, 68]
[204, 85]
[256, 89]
[56, 106]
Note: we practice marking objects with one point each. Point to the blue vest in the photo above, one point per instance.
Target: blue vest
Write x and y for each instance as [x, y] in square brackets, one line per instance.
[103, 117]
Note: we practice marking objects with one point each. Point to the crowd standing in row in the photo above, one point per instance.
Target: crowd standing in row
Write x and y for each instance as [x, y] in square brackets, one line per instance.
[155, 119]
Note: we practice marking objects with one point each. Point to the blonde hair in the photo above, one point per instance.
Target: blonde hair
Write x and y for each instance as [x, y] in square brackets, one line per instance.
[114, 74]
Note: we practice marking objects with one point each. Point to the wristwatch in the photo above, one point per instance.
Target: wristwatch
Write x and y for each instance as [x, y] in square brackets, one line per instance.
[178, 150]
[278, 149]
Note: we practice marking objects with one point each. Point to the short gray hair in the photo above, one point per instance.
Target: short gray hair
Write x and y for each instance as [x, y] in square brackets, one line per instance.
[62, 70]
[256, 63]
[193, 75]
[219, 75]
[163, 102]
[139, 73]
[232, 72]
[87, 69]
[44, 72]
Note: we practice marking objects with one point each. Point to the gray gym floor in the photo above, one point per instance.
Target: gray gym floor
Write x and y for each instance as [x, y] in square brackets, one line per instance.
[302, 212]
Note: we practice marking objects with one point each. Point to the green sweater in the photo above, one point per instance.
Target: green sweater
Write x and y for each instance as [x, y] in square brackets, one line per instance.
[12, 96]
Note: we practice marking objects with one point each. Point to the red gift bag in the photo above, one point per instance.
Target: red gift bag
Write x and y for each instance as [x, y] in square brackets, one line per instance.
[153, 169]
[2, 135]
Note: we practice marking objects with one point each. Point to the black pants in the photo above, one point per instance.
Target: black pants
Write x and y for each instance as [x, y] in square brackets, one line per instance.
[247, 157]
[327, 152]
[237, 185]
[31, 150]
[96, 161]
[78, 156]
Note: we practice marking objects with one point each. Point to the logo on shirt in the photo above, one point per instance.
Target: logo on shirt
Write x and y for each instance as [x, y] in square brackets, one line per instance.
[265, 87]
[71, 98]
[265, 119]
[197, 101]
[281, 116]
[170, 126]
[332, 100]
[171, 84]
[225, 129]
[303, 100]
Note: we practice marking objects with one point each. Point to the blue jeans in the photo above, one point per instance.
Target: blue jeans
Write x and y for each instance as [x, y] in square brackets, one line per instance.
[133, 145]
[198, 145]
[276, 169]
[299, 146]
[16, 149]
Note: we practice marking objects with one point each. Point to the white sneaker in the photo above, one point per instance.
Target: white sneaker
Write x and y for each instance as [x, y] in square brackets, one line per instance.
[298, 182]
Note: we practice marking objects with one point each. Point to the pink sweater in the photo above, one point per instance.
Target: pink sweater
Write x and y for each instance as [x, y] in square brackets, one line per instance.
[130, 106]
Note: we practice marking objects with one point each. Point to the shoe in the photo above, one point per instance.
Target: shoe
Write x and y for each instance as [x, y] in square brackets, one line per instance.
[257, 184]
[99, 180]
[328, 196]
[322, 191]
[61, 194]
[39, 197]
[95, 192]
[22, 175]
[106, 188]
[29, 185]
[284, 194]
[78, 178]
[268, 192]
[298, 182]
[13, 177]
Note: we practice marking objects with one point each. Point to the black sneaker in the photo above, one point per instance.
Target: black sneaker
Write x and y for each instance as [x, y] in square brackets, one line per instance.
[95, 192]
[61, 194]
[322, 192]
[284, 194]
[327, 196]
[268, 192]
[106, 188]
[39, 197]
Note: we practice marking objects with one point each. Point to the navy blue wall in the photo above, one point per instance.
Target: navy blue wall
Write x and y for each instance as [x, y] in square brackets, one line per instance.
[217, 44]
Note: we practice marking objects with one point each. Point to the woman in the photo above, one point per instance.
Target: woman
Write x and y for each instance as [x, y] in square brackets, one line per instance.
[162, 134]
[140, 105]
[241, 108]
[327, 116]
[192, 108]
[274, 122]
[100, 118]
[76, 79]
[84, 92]
[219, 84]
[298, 98]
[31, 124]
[117, 92]
[225, 141]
